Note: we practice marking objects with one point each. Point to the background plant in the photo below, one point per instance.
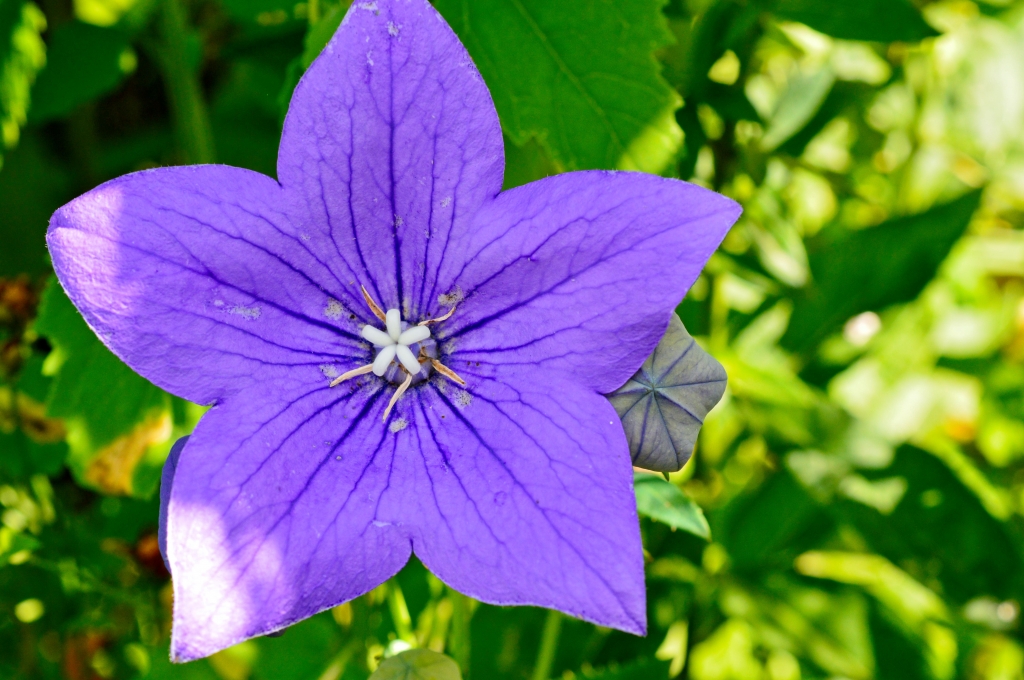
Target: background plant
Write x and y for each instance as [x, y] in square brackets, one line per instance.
[862, 478]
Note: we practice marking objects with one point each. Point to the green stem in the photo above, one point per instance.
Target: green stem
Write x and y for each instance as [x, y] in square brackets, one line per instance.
[400, 613]
[458, 643]
[548, 646]
[313, 12]
[191, 120]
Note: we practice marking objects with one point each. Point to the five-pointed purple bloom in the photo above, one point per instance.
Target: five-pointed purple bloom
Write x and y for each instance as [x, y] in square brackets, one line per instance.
[228, 288]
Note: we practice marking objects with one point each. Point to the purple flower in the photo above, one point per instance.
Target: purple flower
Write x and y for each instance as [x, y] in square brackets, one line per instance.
[502, 465]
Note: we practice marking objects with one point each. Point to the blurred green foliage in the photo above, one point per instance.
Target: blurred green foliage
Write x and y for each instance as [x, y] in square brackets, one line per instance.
[862, 480]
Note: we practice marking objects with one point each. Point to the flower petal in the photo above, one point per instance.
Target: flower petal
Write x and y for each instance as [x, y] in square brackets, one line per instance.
[273, 514]
[520, 492]
[166, 482]
[391, 138]
[580, 272]
[197, 280]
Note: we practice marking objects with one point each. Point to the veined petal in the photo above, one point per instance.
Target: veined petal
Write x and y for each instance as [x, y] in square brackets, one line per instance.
[273, 514]
[523, 494]
[198, 280]
[390, 140]
[580, 272]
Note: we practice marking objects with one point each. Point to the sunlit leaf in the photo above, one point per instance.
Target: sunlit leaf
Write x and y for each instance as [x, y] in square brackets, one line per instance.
[804, 95]
[12, 543]
[664, 404]
[578, 75]
[22, 54]
[103, 12]
[417, 664]
[663, 501]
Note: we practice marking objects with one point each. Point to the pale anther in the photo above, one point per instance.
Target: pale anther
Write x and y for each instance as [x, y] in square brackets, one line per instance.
[394, 397]
[447, 372]
[355, 372]
[377, 311]
[439, 319]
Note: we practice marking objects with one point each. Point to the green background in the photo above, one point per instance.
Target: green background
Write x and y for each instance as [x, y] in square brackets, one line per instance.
[862, 479]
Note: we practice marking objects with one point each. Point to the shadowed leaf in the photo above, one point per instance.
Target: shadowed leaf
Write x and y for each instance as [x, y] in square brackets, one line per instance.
[854, 272]
[664, 404]
[83, 62]
[876, 20]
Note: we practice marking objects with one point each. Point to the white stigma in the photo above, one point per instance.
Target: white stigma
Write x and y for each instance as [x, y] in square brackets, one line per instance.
[394, 343]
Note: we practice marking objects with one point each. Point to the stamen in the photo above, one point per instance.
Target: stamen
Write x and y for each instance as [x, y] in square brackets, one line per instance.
[355, 372]
[438, 319]
[377, 311]
[447, 372]
[394, 397]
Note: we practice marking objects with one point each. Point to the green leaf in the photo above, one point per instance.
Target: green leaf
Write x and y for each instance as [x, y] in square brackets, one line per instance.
[418, 664]
[772, 526]
[83, 62]
[664, 502]
[113, 415]
[22, 54]
[578, 75]
[645, 669]
[942, 520]
[264, 12]
[32, 185]
[875, 20]
[857, 271]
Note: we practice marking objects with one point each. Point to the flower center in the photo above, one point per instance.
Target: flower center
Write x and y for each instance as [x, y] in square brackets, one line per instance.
[398, 342]
[405, 354]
